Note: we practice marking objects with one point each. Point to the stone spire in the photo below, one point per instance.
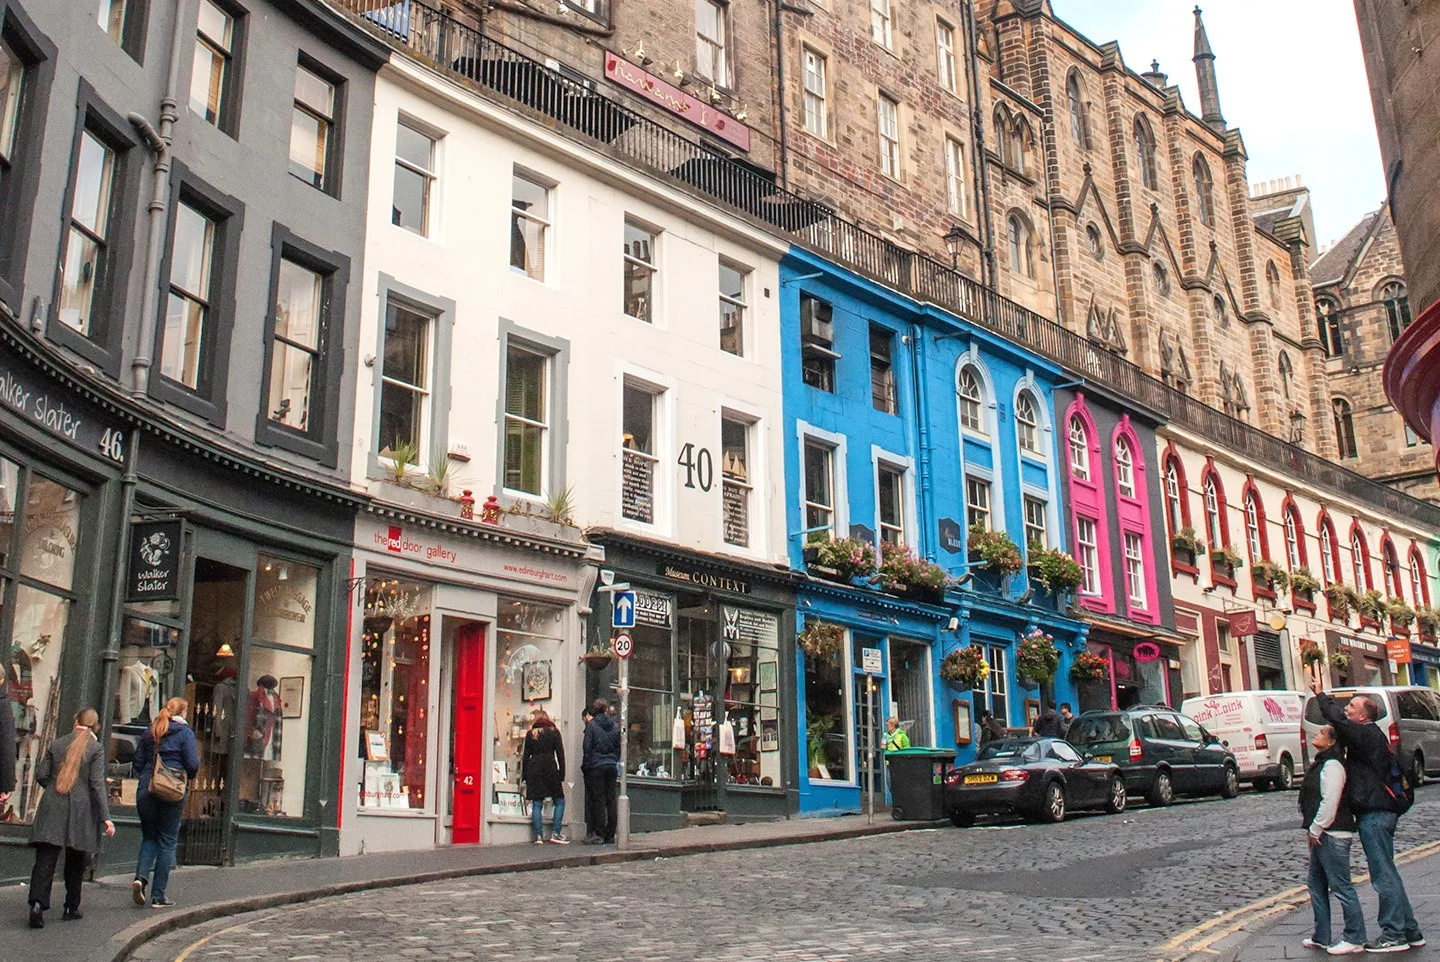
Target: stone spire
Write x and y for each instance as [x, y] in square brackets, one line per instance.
[1205, 76]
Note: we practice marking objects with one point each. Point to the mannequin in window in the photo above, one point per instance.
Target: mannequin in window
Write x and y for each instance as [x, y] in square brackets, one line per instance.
[263, 724]
[222, 702]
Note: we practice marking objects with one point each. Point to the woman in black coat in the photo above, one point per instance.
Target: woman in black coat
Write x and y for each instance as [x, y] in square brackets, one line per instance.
[542, 766]
[73, 813]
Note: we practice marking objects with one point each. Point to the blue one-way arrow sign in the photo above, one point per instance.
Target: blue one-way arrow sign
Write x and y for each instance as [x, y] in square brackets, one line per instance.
[624, 613]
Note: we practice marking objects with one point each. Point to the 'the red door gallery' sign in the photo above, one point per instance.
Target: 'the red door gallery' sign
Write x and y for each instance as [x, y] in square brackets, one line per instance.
[676, 101]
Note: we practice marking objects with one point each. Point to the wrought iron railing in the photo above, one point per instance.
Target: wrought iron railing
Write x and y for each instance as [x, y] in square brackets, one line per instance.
[460, 50]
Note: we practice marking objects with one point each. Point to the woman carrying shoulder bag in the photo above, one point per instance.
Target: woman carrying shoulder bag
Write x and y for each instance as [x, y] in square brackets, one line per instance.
[73, 812]
[166, 758]
[542, 764]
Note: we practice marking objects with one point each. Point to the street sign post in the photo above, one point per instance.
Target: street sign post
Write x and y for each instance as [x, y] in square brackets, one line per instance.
[871, 661]
[869, 743]
[623, 615]
[622, 644]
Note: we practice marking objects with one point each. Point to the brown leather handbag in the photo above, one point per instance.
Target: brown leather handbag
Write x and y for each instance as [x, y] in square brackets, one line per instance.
[167, 784]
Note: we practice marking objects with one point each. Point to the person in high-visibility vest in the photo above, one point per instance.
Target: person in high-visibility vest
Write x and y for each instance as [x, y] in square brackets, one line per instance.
[895, 737]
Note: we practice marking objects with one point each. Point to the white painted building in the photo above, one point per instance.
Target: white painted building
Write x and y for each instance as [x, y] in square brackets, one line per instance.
[537, 321]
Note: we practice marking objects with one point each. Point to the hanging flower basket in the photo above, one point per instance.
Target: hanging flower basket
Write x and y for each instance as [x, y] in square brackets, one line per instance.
[1089, 666]
[995, 550]
[1340, 660]
[598, 659]
[1054, 569]
[903, 572]
[1310, 654]
[821, 639]
[1036, 657]
[840, 559]
[965, 667]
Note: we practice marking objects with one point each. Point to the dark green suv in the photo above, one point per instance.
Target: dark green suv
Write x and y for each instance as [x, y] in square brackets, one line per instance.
[1160, 752]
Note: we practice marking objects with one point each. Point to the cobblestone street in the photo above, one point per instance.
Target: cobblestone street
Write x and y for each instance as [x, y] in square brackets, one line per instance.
[1094, 887]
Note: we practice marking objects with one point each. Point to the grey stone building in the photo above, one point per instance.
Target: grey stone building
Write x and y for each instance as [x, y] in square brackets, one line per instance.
[182, 204]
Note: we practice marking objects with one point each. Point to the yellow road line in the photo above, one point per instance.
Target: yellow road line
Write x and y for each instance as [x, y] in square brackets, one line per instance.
[199, 942]
[1200, 938]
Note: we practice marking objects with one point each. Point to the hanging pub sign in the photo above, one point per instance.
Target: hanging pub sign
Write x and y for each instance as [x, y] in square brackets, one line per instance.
[1243, 624]
[949, 530]
[154, 573]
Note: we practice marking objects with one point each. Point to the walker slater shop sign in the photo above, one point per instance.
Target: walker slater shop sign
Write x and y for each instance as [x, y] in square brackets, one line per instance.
[154, 561]
[60, 416]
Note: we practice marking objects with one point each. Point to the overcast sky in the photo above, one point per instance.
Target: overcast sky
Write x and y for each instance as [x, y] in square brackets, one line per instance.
[1291, 78]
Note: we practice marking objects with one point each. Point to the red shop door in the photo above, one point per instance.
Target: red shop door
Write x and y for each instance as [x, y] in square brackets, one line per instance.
[468, 750]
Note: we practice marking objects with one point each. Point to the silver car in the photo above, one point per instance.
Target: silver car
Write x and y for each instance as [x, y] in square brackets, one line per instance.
[1409, 715]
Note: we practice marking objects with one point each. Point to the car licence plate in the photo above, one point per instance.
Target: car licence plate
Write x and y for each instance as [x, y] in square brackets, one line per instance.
[1104, 758]
[981, 779]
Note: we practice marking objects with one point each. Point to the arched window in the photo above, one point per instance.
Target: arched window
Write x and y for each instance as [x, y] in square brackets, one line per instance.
[1145, 153]
[1254, 521]
[1294, 540]
[1359, 559]
[1222, 316]
[1019, 143]
[1344, 429]
[1287, 373]
[1079, 449]
[1018, 233]
[1419, 584]
[1329, 553]
[1174, 497]
[1124, 468]
[1390, 568]
[1077, 108]
[972, 397]
[1162, 279]
[1397, 307]
[1272, 281]
[1327, 318]
[1204, 192]
[1027, 423]
[1214, 517]
[1002, 136]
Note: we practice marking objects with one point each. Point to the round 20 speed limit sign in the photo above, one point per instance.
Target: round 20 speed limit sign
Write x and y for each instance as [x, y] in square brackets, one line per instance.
[623, 644]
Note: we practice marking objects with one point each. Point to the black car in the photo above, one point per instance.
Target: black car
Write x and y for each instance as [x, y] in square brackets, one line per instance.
[1161, 752]
[1037, 777]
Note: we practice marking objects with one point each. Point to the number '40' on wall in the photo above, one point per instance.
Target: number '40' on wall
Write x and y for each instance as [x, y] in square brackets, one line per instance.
[699, 467]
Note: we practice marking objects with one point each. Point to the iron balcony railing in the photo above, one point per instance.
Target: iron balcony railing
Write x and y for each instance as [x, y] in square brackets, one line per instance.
[461, 51]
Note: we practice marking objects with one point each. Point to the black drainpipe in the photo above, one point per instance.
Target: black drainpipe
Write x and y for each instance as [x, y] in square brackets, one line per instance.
[780, 112]
[977, 150]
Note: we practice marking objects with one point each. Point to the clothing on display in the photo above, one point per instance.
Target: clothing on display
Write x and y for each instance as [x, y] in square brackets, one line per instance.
[138, 693]
[263, 720]
[223, 702]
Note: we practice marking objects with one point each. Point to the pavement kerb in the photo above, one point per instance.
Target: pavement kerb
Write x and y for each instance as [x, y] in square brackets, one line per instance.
[122, 944]
[1199, 941]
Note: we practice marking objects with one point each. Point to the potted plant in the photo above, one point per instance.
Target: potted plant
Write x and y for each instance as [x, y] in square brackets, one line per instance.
[1304, 584]
[817, 729]
[965, 667]
[840, 559]
[1269, 576]
[1340, 660]
[1429, 621]
[1342, 599]
[598, 658]
[1310, 653]
[1401, 615]
[1372, 609]
[1088, 666]
[1054, 570]
[994, 550]
[903, 572]
[1036, 657]
[1186, 546]
[821, 640]
[1224, 562]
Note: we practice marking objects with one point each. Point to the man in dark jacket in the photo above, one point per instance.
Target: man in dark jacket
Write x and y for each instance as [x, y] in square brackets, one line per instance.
[1067, 718]
[600, 762]
[1047, 725]
[1367, 774]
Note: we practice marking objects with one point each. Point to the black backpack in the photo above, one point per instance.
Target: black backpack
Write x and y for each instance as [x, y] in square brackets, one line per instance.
[1400, 786]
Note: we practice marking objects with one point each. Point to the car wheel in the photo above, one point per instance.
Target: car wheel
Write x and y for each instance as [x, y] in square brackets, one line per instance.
[1231, 787]
[1117, 798]
[1054, 810]
[897, 813]
[962, 819]
[1163, 791]
[1417, 767]
[1286, 779]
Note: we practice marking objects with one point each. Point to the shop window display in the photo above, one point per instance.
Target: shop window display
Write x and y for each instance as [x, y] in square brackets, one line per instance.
[752, 695]
[147, 663]
[652, 701]
[39, 533]
[528, 643]
[394, 693]
[826, 728]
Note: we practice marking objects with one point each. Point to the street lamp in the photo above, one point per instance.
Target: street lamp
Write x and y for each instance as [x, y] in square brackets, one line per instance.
[954, 238]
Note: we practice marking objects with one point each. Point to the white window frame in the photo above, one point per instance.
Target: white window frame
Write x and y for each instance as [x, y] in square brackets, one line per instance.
[1124, 468]
[1027, 427]
[431, 175]
[741, 304]
[1292, 541]
[883, 527]
[426, 392]
[660, 393]
[714, 64]
[1358, 563]
[1214, 527]
[1079, 444]
[652, 266]
[747, 484]
[1173, 498]
[1327, 556]
[1087, 553]
[887, 122]
[1417, 581]
[547, 391]
[839, 482]
[545, 223]
[981, 485]
[975, 402]
[1134, 548]
[1252, 529]
[955, 177]
[1027, 501]
[881, 22]
[815, 68]
[946, 73]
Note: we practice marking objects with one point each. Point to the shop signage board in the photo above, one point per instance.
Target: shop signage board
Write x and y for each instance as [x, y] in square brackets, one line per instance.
[457, 554]
[1243, 624]
[1398, 650]
[653, 609]
[871, 661]
[1425, 654]
[623, 615]
[750, 627]
[705, 579]
[1365, 646]
[675, 100]
[61, 417]
[950, 540]
[154, 573]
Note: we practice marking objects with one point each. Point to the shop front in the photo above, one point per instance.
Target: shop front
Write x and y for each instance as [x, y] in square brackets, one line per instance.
[1144, 668]
[1425, 665]
[1361, 661]
[713, 658]
[461, 631]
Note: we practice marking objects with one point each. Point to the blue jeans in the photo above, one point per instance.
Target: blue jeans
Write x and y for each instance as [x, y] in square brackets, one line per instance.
[537, 816]
[1330, 874]
[160, 834]
[1377, 835]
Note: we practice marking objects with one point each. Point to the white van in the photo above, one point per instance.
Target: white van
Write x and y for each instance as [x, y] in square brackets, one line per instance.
[1262, 728]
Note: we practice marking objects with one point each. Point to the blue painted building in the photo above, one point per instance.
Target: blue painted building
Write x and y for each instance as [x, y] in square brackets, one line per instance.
[905, 424]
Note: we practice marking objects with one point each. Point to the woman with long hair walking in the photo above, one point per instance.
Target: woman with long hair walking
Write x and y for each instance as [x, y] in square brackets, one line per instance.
[73, 812]
[167, 747]
[542, 764]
